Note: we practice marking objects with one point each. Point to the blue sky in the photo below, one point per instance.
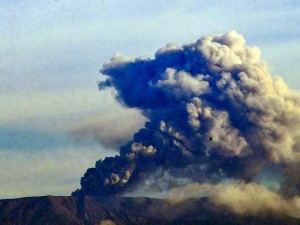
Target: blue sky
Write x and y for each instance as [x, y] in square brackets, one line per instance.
[54, 123]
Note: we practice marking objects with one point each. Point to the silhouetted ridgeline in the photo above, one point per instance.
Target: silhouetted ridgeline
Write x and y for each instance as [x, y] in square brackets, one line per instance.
[49, 210]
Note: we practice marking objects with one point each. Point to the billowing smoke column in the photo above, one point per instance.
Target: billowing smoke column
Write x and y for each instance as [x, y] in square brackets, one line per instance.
[214, 113]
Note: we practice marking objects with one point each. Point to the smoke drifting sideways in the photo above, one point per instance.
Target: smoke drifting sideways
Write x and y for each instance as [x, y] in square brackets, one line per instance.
[216, 87]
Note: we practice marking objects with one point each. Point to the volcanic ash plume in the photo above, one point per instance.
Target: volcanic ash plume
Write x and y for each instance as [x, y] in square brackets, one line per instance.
[214, 114]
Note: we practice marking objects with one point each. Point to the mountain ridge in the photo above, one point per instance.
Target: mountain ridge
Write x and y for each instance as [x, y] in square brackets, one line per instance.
[65, 210]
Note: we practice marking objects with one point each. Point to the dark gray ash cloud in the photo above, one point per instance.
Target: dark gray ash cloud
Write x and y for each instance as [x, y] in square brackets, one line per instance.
[215, 87]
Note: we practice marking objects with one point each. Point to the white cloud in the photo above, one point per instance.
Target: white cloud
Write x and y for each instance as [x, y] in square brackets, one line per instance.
[25, 172]
[58, 109]
[240, 197]
[43, 42]
[22, 107]
[111, 129]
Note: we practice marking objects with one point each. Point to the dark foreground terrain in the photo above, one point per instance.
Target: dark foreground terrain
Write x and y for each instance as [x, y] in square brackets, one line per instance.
[50, 210]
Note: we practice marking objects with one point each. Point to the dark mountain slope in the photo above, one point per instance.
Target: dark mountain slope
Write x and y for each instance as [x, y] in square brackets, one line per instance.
[50, 210]
[63, 210]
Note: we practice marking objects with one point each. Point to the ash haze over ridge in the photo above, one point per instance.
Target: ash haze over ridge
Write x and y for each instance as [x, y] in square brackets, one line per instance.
[215, 87]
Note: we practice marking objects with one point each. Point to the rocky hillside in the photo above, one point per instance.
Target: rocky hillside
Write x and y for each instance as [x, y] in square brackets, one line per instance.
[51, 210]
